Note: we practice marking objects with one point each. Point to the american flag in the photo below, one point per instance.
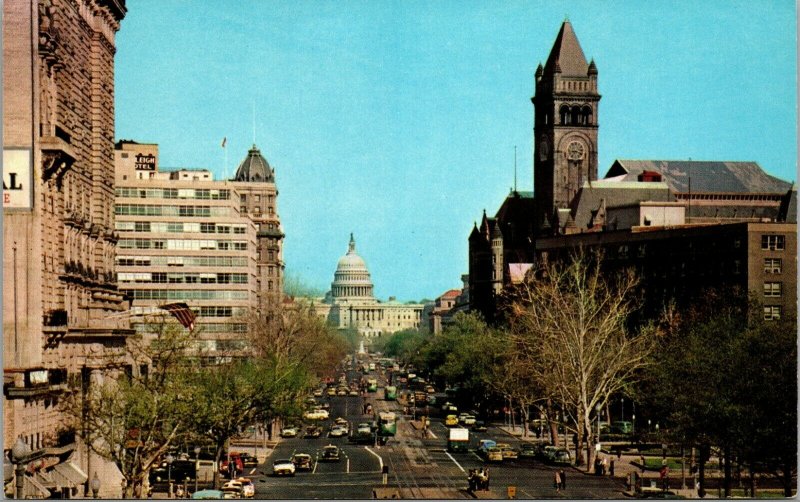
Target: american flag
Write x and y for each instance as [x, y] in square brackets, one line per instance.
[182, 313]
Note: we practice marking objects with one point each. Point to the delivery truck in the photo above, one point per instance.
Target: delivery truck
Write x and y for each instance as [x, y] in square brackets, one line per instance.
[458, 440]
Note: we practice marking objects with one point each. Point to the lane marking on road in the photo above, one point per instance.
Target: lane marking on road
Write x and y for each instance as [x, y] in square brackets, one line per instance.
[316, 463]
[347, 471]
[379, 457]
[454, 461]
[477, 456]
[252, 470]
[432, 434]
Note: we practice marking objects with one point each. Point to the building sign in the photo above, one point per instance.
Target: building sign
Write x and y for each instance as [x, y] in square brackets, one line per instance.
[37, 377]
[17, 178]
[145, 162]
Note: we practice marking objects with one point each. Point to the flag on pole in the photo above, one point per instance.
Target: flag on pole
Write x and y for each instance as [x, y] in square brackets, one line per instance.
[224, 140]
[182, 313]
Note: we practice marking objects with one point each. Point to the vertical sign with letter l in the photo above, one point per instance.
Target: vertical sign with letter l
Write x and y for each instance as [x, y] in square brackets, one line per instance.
[17, 178]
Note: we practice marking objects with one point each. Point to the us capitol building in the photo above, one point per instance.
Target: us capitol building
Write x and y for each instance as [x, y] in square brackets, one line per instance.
[350, 302]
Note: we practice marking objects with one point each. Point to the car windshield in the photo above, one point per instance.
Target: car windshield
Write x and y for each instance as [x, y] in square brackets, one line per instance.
[285, 461]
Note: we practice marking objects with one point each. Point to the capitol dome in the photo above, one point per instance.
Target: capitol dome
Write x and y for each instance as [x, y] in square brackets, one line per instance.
[351, 279]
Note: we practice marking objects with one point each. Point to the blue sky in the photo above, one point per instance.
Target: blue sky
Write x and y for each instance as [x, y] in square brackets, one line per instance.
[397, 121]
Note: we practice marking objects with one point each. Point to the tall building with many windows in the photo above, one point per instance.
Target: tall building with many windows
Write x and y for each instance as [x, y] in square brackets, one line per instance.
[59, 287]
[258, 194]
[183, 238]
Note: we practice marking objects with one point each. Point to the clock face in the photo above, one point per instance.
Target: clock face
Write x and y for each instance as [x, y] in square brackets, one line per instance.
[544, 150]
[575, 151]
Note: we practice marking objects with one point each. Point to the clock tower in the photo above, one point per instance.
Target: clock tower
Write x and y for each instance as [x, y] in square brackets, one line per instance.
[565, 126]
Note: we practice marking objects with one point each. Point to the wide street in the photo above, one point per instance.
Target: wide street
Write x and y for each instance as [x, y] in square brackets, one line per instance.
[418, 467]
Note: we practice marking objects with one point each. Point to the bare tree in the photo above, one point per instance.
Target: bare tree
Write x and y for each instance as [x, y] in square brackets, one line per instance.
[569, 320]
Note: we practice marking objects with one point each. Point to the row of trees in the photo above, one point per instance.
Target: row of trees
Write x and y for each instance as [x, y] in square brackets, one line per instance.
[714, 374]
[181, 399]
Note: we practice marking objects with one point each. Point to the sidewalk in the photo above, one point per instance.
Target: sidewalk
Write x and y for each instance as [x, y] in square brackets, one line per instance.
[624, 465]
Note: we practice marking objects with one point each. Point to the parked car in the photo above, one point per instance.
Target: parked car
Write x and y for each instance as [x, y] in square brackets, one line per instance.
[248, 460]
[451, 421]
[318, 393]
[180, 471]
[302, 461]
[560, 456]
[330, 453]
[283, 467]
[317, 414]
[289, 432]
[248, 488]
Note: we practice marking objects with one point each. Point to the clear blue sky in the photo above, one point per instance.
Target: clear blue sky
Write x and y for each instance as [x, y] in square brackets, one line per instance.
[397, 120]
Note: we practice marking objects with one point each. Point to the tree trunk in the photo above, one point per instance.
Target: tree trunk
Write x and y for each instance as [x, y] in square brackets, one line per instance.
[218, 458]
[704, 452]
[728, 478]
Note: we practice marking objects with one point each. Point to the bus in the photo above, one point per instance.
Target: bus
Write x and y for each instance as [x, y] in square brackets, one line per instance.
[387, 423]
[390, 393]
[372, 385]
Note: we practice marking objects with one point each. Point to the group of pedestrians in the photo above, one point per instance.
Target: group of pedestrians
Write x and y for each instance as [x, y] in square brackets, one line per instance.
[478, 479]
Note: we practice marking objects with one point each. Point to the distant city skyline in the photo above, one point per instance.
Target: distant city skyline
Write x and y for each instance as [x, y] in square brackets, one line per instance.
[397, 121]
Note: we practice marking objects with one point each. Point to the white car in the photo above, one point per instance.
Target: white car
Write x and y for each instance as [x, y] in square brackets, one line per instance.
[284, 467]
[289, 432]
[337, 431]
[317, 414]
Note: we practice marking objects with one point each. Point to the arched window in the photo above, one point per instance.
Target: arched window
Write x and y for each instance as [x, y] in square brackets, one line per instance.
[587, 115]
[576, 115]
[564, 112]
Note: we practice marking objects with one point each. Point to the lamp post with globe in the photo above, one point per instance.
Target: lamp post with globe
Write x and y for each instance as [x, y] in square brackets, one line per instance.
[94, 484]
[169, 460]
[19, 454]
[196, 466]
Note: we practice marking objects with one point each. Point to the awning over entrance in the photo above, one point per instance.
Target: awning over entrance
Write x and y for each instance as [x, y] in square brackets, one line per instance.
[63, 475]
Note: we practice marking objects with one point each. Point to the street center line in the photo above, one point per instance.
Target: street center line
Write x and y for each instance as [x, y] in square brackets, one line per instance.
[348, 467]
[379, 457]
[454, 461]
[252, 470]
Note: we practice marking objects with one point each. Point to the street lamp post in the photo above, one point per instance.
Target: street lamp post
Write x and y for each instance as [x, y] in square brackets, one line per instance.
[169, 460]
[633, 423]
[95, 485]
[196, 466]
[19, 453]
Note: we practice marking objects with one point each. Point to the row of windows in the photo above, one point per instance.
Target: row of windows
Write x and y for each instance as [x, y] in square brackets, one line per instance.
[180, 261]
[183, 211]
[174, 193]
[215, 311]
[257, 198]
[170, 278]
[185, 294]
[257, 210]
[177, 226]
[182, 244]
[222, 327]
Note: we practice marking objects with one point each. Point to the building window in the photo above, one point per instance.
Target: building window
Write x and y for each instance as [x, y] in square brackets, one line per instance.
[737, 267]
[773, 242]
[258, 199]
[772, 289]
[772, 313]
[243, 209]
[772, 265]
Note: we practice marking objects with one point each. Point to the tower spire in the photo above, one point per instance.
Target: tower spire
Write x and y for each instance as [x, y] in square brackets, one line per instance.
[351, 248]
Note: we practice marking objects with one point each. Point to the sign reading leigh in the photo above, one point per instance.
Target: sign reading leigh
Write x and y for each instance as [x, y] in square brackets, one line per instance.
[17, 178]
[145, 162]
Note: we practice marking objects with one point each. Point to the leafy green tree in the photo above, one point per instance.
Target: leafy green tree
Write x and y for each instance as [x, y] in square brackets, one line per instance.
[133, 419]
[239, 394]
[405, 345]
[728, 379]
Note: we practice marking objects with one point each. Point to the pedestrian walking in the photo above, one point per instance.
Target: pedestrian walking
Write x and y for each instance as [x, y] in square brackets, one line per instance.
[563, 475]
[603, 465]
[557, 481]
[611, 469]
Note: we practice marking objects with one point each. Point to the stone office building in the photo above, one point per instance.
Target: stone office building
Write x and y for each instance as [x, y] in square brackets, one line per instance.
[686, 226]
[59, 243]
[183, 238]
